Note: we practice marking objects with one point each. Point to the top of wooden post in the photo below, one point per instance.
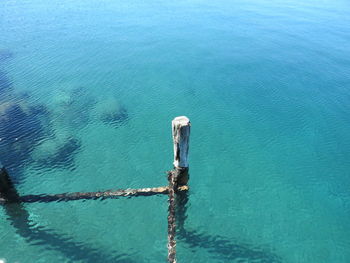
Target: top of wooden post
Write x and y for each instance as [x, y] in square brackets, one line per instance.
[181, 120]
[181, 136]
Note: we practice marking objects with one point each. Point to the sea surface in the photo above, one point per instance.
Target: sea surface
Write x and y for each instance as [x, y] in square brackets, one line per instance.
[88, 90]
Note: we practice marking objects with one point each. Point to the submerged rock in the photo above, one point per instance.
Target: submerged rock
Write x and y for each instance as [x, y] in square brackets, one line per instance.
[116, 118]
[111, 112]
[18, 121]
[20, 130]
[5, 82]
[5, 54]
[71, 108]
[5, 85]
[46, 136]
[57, 153]
[28, 132]
[70, 112]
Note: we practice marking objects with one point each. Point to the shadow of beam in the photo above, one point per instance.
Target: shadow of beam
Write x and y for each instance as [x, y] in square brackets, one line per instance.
[219, 247]
[19, 219]
[73, 250]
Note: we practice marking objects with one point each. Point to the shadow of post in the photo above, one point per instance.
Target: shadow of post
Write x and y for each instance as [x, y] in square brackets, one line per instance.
[222, 248]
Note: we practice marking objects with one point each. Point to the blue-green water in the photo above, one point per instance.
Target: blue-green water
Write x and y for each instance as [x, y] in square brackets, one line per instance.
[87, 93]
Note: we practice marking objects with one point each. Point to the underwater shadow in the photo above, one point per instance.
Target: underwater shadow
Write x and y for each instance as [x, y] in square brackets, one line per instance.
[116, 119]
[62, 157]
[219, 247]
[74, 250]
[23, 127]
[112, 112]
[5, 84]
[5, 54]
[37, 235]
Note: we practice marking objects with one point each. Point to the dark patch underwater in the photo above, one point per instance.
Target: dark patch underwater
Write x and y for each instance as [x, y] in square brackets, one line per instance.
[63, 158]
[23, 125]
[116, 119]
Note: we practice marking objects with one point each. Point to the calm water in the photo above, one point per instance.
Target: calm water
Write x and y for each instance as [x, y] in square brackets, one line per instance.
[87, 93]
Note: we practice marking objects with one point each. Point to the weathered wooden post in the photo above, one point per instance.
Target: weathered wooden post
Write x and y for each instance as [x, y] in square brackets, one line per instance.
[181, 138]
[178, 177]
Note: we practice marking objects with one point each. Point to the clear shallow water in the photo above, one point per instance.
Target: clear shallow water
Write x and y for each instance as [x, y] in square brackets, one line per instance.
[88, 90]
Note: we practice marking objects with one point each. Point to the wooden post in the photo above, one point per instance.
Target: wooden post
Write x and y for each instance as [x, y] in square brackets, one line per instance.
[181, 127]
[5, 183]
[8, 192]
[178, 177]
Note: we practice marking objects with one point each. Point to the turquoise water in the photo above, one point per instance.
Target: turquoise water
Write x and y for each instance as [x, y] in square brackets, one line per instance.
[88, 90]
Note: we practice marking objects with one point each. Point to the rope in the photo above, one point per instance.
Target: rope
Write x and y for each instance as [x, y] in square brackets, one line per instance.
[171, 218]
